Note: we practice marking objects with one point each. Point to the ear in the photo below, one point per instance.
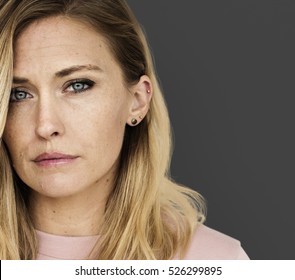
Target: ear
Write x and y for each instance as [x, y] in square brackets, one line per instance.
[140, 101]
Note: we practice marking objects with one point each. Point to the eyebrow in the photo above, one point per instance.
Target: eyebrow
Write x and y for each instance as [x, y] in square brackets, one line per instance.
[19, 80]
[62, 73]
[75, 68]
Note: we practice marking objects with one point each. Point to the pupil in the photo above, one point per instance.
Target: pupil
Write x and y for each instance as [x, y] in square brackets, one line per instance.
[78, 86]
[20, 95]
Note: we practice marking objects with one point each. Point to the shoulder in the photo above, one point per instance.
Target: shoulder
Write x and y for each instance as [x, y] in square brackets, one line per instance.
[209, 244]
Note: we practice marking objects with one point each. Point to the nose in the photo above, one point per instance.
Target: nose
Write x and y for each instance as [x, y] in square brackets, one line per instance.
[49, 122]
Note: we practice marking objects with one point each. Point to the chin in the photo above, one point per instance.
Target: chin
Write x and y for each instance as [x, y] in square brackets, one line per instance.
[58, 188]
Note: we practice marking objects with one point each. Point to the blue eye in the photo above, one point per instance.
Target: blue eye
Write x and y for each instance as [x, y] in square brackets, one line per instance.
[79, 86]
[18, 95]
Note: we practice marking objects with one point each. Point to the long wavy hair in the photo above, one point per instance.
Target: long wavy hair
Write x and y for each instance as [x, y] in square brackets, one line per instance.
[147, 215]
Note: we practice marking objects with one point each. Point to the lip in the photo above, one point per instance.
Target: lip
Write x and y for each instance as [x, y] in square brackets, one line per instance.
[54, 159]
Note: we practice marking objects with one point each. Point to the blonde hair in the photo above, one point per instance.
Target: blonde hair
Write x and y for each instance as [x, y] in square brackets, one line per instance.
[147, 215]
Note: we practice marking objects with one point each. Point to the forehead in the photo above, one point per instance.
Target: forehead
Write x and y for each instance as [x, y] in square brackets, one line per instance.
[58, 40]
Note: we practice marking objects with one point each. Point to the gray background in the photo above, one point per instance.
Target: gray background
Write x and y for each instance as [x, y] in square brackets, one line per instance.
[227, 69]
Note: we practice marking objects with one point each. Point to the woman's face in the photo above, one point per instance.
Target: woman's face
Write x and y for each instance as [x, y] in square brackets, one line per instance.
[68, 110]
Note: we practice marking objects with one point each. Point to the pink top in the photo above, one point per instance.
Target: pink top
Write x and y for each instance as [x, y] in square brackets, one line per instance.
[206, 244]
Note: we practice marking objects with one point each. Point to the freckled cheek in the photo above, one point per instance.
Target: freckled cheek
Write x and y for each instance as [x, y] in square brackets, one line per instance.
[15, 139]
[105, 133]
[16, 125]
[16, 149]
[10, 136]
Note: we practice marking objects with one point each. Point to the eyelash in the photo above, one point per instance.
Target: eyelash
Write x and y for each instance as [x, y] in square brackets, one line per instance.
[84, 82]
[89, 84]
[13, 93]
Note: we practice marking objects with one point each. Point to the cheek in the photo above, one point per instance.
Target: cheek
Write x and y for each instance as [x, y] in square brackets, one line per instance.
[11, 138]
[106, 131]
[16, 124]
[108, 118]
[15, 137]
[17, 152]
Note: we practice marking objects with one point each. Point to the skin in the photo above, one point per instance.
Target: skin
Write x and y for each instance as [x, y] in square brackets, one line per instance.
[55, 110]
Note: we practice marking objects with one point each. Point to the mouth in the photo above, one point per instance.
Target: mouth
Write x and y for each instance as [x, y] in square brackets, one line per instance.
[53, 159]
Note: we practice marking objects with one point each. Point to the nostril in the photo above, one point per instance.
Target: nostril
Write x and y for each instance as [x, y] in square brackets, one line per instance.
[47, 130]
[48, 123]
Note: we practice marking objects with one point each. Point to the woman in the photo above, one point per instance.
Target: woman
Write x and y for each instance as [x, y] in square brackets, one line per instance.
[86, 141]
